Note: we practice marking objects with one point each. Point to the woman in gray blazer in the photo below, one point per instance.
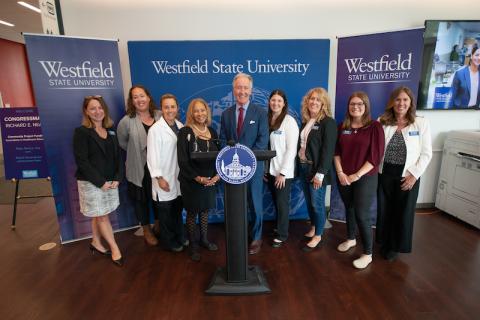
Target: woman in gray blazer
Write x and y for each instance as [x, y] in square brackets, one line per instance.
[132, 136]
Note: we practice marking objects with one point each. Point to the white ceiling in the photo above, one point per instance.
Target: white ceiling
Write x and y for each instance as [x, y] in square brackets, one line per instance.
[25, 20]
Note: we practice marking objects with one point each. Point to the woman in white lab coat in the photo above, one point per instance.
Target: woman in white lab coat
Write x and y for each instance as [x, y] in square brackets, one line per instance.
[163, 165]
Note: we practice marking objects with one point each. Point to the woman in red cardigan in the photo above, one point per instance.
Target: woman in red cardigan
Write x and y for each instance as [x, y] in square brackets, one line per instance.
[358, 153]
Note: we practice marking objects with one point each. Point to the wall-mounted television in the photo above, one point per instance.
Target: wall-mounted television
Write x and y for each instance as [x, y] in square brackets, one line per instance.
[450, 77]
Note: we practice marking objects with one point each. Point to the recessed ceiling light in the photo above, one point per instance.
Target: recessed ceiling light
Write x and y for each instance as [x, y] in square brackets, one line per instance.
[29, 6]
[7, 23]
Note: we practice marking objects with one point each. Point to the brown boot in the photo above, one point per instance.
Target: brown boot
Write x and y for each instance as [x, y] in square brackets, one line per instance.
[149, 236]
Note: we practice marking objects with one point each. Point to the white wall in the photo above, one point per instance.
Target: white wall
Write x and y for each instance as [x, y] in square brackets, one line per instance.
[272, 19]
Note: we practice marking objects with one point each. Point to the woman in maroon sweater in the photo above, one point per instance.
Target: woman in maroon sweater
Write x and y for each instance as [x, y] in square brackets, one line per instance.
[359, 150]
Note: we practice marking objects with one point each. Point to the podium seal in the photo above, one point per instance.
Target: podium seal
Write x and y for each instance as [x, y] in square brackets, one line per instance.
[236, 165]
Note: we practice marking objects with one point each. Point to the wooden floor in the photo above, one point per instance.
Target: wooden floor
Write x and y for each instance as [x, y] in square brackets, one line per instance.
[439, 280]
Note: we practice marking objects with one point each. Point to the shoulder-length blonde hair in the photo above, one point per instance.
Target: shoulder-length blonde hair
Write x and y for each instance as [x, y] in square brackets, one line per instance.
[107, 122]
[388, 117]
[131, 111]
[190, 119]
[366, 117]
[326, 109]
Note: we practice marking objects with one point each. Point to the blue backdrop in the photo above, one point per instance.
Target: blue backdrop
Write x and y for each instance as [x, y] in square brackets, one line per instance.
[205, 69]
[65, 70]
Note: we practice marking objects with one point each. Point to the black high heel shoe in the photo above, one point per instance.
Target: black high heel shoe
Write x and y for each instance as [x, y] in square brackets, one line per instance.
[93, 249]
[307, 248]
[119, 262]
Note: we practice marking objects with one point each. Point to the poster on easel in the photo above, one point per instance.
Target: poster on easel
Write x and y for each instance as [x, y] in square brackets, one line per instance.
[22, 141]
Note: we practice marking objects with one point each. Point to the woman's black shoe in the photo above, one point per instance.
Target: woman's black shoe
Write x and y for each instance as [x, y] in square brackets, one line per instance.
[105, 253]
[119, 262]
[307, 248]
[209, 245]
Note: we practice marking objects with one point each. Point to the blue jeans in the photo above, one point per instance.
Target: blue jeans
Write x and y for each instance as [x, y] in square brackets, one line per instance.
[315, 199]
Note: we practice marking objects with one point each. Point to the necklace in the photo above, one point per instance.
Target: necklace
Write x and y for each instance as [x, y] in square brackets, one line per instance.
[200, 131]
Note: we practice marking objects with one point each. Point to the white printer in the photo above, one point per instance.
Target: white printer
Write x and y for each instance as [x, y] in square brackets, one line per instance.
[458, 191]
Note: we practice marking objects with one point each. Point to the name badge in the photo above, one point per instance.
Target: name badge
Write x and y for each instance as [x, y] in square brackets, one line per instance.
[347, 132]
[315, 128]
[252, 121]
[112, 133]
[277, 132]
[413, 133]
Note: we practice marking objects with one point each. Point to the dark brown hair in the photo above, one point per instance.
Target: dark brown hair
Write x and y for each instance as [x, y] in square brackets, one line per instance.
[388, 117]
[283, 113]
[366, 117]
[131, 111]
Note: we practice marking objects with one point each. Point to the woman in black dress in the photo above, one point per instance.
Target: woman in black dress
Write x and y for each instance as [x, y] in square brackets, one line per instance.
[197, 178]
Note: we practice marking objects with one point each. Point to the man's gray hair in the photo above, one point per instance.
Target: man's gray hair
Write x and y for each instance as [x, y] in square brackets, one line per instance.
[243, 75]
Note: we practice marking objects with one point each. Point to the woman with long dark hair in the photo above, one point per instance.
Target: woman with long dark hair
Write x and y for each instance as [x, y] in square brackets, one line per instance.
[283, 139]
[408, 151]
[132, 136]
[466, 82]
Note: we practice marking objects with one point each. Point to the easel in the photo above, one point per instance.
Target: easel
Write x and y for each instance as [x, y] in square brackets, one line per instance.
[17, 197]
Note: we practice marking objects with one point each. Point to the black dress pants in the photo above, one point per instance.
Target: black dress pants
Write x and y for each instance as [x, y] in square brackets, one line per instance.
[171, 222]
[281, 201]
[396, 210]
[358, 199]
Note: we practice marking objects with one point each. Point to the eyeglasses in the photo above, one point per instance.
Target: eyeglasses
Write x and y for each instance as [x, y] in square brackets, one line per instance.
[356, 104]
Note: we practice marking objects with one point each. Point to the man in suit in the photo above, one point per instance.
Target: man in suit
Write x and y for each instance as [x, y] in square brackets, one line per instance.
[247, 123]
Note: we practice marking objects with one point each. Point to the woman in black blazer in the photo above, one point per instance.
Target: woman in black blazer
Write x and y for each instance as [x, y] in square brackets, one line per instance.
[318, 136]
[99, 172]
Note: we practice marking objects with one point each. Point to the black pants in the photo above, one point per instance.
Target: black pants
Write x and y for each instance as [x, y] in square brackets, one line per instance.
[281, 201]
[142, 198]
[358, 199]
[396, 210]
[171, 222]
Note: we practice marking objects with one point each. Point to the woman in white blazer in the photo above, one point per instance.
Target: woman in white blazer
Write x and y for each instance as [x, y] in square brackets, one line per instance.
[408, 151]
[283, 139]
[163, 165]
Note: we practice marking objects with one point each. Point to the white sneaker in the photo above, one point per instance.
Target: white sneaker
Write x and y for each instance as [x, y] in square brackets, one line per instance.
[346, 245]
[363, 261]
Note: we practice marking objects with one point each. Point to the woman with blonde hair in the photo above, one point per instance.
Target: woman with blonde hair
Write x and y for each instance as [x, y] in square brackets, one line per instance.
[317, 143]
[99, 173]
[197, 178]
